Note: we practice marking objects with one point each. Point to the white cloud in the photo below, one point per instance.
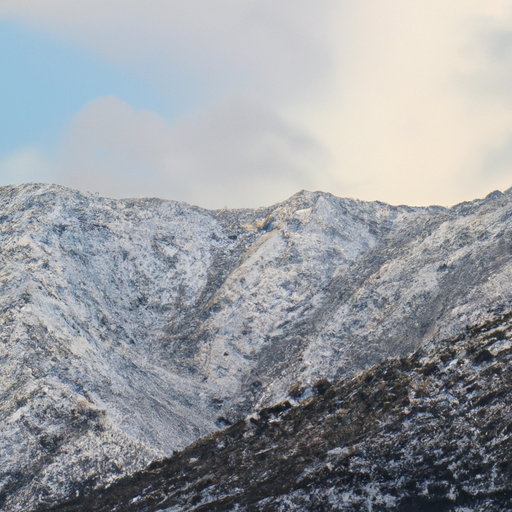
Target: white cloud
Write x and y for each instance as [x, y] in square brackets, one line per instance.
[27, 164]
[412, 123]
[407, 102]
[269, 49]
[235, 153]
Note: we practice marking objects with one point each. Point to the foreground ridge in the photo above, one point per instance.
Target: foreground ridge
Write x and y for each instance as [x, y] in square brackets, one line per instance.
[430, 431]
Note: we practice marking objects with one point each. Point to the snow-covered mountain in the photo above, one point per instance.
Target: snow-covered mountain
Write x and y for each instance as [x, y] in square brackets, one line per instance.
[130, 328]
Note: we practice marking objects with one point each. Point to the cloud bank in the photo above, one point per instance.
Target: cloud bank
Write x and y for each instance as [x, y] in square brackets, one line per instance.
[234, 153]
[379, 99]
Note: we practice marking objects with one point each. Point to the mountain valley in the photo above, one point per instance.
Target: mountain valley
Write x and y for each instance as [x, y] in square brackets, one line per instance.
[131, 331]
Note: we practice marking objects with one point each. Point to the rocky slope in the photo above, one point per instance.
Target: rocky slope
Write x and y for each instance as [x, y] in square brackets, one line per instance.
[131, 328]
[429, 431]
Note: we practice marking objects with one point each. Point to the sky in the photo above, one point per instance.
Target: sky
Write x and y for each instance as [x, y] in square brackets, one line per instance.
[242, 103]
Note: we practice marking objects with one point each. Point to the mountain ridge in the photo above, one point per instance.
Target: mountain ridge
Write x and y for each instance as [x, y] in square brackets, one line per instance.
[131, 328]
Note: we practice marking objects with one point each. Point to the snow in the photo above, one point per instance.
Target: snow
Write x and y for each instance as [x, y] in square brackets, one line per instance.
[129, 327]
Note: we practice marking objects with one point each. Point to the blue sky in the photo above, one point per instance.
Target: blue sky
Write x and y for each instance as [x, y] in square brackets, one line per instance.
[45, 82]
[244, 103]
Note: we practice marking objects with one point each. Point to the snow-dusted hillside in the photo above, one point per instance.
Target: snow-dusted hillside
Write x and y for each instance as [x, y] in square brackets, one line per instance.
[130, 328]
[427, 432]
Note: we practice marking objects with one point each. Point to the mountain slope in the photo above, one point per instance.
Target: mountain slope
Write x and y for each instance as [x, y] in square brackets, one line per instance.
[429, 431]
[131, 328]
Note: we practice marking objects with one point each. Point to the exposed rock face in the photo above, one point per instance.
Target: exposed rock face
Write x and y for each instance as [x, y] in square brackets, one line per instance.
[426, 432]
[130, 328]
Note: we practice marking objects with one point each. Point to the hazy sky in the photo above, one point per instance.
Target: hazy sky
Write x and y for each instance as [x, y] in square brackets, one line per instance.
[245, 102]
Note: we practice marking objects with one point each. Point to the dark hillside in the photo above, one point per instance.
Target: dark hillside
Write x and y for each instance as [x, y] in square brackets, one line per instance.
[431, 431]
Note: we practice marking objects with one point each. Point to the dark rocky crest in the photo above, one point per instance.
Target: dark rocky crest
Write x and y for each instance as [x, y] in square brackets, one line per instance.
[429, 431]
